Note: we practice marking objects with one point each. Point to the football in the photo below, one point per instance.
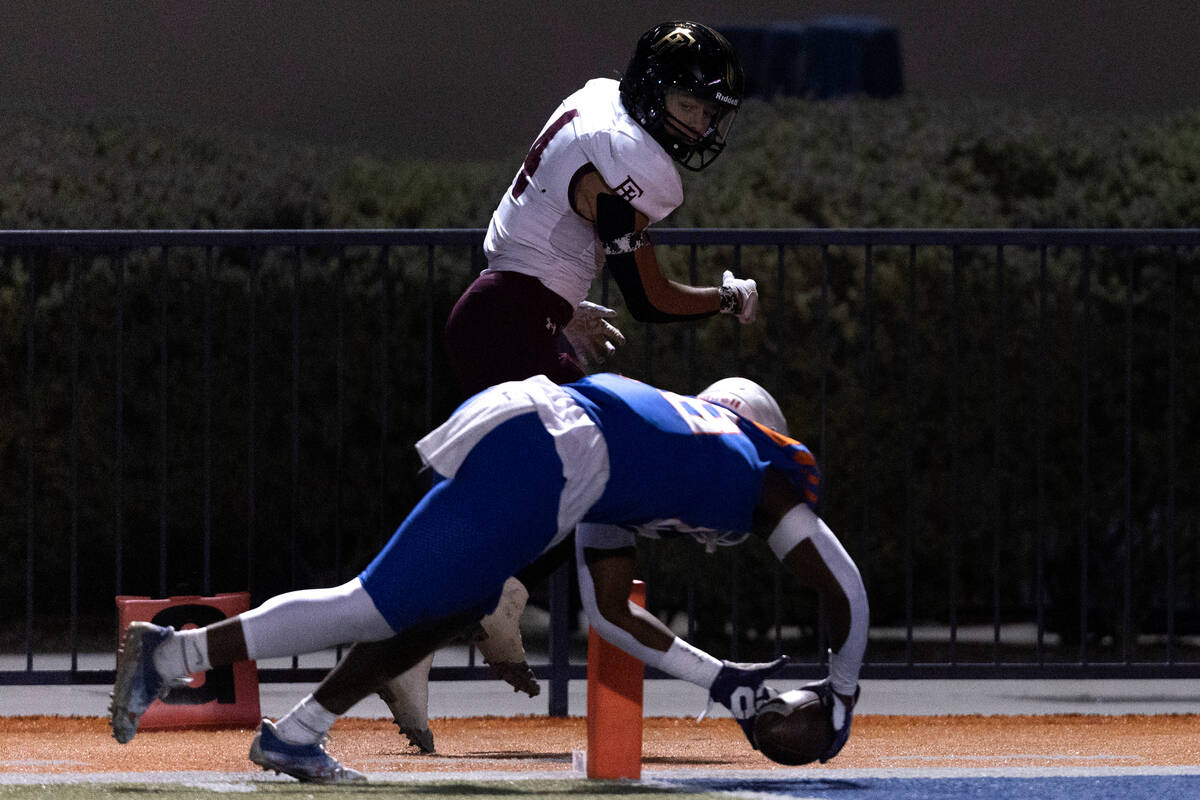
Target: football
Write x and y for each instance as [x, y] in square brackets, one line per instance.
[794, 728]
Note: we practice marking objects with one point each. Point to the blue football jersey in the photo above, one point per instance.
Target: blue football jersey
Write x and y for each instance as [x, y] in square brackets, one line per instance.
[682, 464]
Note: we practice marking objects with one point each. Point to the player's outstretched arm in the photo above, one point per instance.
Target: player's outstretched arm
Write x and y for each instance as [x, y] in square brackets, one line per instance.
[606, 560]
[809, 549]
[804, 543]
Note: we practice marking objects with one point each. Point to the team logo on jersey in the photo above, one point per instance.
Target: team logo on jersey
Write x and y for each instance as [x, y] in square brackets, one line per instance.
[629, 190]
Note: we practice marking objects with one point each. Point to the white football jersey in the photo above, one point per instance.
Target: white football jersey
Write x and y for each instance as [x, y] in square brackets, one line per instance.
[535, 231]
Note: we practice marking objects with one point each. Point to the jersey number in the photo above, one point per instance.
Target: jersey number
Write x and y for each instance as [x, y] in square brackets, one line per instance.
[702, 417]
[535, 153]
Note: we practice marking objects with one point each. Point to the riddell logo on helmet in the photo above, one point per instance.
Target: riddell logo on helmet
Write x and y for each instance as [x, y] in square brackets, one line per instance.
[724, 98]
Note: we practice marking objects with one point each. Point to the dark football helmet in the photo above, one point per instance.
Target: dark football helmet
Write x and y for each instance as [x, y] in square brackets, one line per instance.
[678, 59]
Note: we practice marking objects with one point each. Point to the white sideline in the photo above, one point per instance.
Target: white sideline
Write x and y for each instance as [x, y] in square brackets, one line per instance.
[235, 781]
[670, 698]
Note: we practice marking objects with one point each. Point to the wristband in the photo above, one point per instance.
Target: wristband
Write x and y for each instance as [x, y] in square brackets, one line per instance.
[626, 243]
[729, 300]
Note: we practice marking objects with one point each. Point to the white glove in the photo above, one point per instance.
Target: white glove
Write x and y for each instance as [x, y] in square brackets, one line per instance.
[739, 296]
[592, 336]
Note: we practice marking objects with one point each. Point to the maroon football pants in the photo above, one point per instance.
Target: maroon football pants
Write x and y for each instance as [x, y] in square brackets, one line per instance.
[506, 327]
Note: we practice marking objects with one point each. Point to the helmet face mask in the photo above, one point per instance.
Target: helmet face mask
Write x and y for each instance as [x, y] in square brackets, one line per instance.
[695, 122]
[676, 63]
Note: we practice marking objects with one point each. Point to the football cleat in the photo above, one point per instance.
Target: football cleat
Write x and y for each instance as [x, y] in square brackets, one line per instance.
[420, 738]
[498, 639]
[138, 683]
[308, 763]
[407, 697]
[516, 674]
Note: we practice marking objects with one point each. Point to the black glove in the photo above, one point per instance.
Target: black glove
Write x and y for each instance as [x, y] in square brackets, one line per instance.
[841, 714]
[739, 687]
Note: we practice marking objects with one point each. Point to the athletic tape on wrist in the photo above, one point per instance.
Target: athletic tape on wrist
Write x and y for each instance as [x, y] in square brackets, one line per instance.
[626, 243]
[729, 300]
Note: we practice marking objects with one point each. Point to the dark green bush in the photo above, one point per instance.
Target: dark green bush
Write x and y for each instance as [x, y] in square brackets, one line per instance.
[961, 470]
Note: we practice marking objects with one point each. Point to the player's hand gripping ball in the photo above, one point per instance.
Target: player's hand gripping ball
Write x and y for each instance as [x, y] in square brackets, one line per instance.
[795, 728]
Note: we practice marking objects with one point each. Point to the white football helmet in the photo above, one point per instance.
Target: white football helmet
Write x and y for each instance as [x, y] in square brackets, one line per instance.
[745, 397]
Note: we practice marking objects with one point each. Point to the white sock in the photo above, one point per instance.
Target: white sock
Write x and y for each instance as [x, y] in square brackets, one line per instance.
[312, 619]
[182, 654]
[689, 663]
[306, 723]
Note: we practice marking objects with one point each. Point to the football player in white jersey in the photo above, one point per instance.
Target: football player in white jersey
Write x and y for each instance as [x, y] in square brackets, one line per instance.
[601, 170]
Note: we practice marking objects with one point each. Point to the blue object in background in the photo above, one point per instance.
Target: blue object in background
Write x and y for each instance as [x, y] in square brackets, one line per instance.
[829, 57]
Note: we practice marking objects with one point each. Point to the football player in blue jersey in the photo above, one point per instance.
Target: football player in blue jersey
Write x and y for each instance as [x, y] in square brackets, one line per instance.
[606, 560]
[520, 466]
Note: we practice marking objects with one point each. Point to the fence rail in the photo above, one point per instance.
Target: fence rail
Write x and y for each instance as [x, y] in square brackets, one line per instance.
[998, 414]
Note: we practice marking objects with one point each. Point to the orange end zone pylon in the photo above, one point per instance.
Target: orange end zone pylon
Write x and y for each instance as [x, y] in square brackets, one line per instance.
[614, 706]
[222, 697]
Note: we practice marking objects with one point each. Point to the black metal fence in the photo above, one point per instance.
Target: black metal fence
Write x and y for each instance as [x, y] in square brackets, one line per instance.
[1003, 418]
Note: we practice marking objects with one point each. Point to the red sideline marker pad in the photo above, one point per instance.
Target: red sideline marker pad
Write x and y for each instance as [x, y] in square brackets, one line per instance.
[223, 697]
[614, 706]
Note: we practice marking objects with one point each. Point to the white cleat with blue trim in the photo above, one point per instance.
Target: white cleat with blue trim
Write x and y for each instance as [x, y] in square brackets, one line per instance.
[137, 683]
[308, 763]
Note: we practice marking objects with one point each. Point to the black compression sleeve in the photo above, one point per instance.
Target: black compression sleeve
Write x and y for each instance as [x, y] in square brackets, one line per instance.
[615, 226]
